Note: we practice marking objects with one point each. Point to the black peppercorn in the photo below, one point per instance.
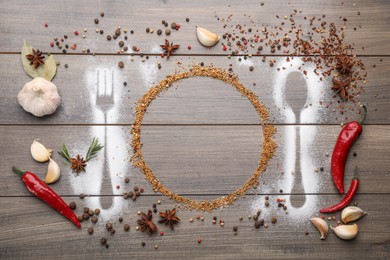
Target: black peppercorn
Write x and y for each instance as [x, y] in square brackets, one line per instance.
[96, 21]
[90, 230]
[108, 226]
[72, 205]
[126, 227]
[103, 241]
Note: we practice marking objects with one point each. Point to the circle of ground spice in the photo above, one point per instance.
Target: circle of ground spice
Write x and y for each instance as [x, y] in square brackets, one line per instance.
[268, 147]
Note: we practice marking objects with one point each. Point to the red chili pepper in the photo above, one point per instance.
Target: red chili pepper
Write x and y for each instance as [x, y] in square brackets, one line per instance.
[45, 193]
[347, 136]
[347, 199]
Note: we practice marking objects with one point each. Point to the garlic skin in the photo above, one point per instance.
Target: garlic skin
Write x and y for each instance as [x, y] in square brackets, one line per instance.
[346, 232]
[205, 37]
[352, 213]
[53, 172]
[321, 225]
[39, 152]
[39, 97]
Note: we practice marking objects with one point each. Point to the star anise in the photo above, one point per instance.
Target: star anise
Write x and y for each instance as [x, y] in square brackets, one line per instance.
[169, 218]
[341, 86]
[146, 224]
[169, 48]
[344, 64]
[78, 164]
[36, 58]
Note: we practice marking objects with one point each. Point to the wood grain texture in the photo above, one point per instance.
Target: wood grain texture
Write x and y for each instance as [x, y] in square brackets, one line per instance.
[191, 101]
[194, 159]
[371, 25]
[44, 233]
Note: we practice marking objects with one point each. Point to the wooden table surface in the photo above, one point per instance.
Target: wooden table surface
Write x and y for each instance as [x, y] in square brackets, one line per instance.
[201, 138]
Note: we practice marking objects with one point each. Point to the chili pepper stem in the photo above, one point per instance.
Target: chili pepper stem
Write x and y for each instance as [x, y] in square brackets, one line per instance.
[364, 114]
[18, 171]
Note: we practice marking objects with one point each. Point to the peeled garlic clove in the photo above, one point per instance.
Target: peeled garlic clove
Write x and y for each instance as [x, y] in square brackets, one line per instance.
[205, 37]
[352, 213]
[39, 152]
[53, 172]
[346, 232]
[321, 225]
[39, 97]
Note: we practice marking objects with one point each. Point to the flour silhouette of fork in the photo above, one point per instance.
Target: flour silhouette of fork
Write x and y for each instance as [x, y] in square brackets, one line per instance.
[105, 102]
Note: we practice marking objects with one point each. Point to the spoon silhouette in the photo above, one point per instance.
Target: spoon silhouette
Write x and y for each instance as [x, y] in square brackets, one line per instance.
[296, 95]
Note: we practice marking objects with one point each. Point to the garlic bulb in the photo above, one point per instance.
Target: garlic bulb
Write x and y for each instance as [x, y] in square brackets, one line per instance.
[346, 232]
[53, 172]
[352, 213]
[321, 225]
[39, 97]
[205, 37]
[39, 152]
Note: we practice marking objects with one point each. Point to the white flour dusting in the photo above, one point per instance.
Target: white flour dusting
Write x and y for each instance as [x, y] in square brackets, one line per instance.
[309, 114]
[104, 84]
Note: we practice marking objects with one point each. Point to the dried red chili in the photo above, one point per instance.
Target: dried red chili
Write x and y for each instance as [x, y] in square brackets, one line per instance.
[347, 136]
[45, 193]
[347, 199]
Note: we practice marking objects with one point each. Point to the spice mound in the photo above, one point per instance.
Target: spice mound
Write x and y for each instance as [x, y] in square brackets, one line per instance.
[268, 146]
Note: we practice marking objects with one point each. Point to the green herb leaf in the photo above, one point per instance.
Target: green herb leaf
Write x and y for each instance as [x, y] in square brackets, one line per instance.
[64, 153]
[93, 149]
[49, 68]
[29, 69]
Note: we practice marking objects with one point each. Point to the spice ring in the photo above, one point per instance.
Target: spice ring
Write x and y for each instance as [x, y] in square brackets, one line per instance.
[268, 147]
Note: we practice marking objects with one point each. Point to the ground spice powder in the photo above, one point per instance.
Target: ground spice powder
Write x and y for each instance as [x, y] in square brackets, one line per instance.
[268, 149]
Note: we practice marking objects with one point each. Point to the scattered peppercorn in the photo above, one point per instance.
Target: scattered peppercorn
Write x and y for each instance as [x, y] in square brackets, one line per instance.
[103, 241]
[235, 228]
[127, 179]
[126, 227]
[102, 14]
[90, 230]
[72, 205]
[159, 32]
[148, 30]
[167, 32]
[121, 64]
[273, 219]
[108, 226]
[187, 20]
[81, 197]
[97, 211]
[251, 68]
[173, 25]
[120, 219]
[85, 216]
[266, 203]
[143, 244]
[121, 43]
[354, 154]
[257, 224]
[94, 219]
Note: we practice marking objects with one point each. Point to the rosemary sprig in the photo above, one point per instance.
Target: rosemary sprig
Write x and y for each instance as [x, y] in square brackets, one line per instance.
[93, 149]
[78, 163]
[64, 153]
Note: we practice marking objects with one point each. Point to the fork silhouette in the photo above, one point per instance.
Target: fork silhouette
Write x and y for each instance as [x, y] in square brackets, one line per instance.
[105, 102]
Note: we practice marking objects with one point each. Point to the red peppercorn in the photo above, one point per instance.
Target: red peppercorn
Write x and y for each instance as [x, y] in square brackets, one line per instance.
[118, 187]
[76, 33]
[162, 55]
[46, 25]
[189, 47]
[177, 27]
[52, 44]
[224, 48]
[278, 200]
[199, 241]
[161, 233]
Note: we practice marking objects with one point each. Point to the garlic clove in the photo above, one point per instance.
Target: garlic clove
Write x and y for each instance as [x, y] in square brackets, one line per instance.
[39, 152]
[346, 232]
[53, 172]
[321, 225]
[39, 97]
[352, 213]
[206, 38]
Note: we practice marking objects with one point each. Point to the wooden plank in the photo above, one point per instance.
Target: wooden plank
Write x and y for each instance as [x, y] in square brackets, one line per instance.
[30, 229]
[371, 25]
[197, 159]
[195, 100]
